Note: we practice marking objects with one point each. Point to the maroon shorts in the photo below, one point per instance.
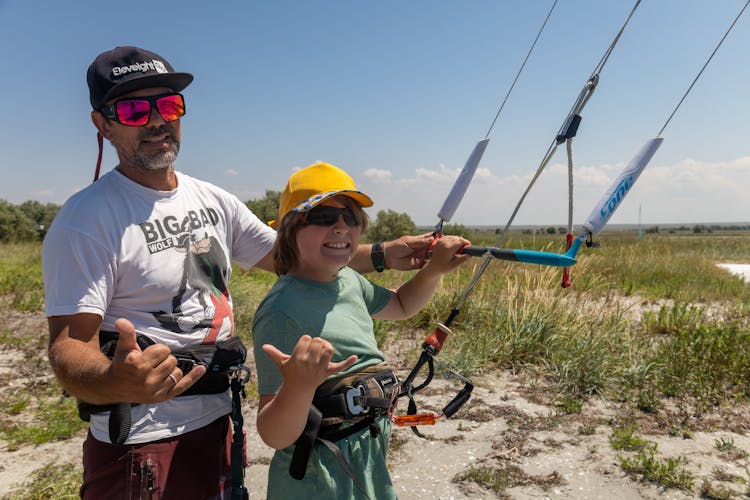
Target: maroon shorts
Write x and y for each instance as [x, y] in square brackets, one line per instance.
[192, 465]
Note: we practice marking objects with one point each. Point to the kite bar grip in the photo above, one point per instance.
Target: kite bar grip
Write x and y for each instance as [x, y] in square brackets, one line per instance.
[528, 256]
[457, 402]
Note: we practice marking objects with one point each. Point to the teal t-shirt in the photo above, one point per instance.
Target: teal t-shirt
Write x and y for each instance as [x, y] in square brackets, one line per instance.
[338, 311]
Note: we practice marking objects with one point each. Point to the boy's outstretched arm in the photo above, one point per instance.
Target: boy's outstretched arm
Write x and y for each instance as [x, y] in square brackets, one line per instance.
[282, 416]
[415, 293]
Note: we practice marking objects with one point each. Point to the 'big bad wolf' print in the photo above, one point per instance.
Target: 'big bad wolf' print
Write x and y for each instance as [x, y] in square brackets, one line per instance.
[205, 271]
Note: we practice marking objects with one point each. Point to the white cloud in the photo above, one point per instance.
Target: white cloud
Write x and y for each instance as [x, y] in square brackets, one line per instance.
[688, 191]
[231, 171]
[43, 194]
[378, 175]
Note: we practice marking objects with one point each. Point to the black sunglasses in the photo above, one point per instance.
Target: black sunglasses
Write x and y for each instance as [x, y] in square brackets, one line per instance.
[136, 111]
[326, 215]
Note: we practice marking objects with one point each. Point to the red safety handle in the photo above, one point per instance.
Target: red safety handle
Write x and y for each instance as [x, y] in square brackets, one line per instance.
[417, 419]
[566, 271]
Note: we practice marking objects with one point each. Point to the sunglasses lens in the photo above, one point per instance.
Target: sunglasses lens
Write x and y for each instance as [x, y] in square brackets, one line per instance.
[133, 111]
[349, 218]
[171, 107]
[328, 216]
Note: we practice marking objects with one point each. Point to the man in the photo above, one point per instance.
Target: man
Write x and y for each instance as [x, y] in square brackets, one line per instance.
[137, 266]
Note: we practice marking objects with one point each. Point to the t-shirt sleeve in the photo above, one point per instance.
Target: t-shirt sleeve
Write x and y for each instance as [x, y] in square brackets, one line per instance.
[78, 271]
[282, 332]
[253, 239]
[375, 296]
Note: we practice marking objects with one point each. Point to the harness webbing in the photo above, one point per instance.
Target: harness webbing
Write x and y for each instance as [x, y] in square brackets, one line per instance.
[238, 450]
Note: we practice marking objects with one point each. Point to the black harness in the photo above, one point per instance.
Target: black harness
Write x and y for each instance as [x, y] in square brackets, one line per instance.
[224, 370]
[342, 407]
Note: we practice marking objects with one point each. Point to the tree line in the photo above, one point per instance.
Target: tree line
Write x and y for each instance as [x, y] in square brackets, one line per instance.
[28, 221]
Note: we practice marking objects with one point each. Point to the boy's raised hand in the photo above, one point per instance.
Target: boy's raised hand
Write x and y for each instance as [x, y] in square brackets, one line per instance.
[310, 362]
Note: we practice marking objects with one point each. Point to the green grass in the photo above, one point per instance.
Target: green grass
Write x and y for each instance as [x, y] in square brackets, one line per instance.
[645, 463]
[494, 480]
[54, 420]
[21, 276]
[667, 472]
[624, 437]
[50, 481]
[248, 289]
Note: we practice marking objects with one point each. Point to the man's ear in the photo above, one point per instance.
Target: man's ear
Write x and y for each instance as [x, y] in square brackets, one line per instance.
[101, 124]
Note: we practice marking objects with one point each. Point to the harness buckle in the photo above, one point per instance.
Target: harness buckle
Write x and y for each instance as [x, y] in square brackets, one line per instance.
[352, 407]
[186, 364]
[241, 373]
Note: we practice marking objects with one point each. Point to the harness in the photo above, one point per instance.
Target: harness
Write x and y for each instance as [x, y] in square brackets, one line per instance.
[224, 370]
[344, 406]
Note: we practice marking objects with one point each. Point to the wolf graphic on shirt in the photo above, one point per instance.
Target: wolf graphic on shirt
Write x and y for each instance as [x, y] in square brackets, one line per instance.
[205, 272]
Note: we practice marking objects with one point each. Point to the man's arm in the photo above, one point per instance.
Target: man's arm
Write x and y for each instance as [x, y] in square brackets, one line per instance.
[131, 376]
[405, 253]
[266, 263]
[415, 293]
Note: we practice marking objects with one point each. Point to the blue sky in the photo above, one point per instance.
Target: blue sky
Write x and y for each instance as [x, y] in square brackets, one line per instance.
[397, 93]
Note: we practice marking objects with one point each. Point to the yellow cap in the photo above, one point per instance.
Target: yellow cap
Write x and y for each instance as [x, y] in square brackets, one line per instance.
[308, 187]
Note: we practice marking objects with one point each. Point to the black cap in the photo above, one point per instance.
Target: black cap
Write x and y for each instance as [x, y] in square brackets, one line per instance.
[124, 69]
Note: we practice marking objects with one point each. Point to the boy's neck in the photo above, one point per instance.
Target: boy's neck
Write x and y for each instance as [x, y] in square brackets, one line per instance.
[314, 275]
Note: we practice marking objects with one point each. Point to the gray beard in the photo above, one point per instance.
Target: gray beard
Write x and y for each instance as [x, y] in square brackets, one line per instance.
[158, 161]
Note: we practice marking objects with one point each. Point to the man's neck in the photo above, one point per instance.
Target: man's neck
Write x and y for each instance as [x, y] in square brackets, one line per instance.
[159, 180]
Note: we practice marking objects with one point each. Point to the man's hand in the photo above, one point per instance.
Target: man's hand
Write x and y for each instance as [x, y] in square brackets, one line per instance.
[407, 252]
[150, 375]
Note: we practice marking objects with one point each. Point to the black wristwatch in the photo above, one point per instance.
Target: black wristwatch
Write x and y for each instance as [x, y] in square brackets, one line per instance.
[378, 256]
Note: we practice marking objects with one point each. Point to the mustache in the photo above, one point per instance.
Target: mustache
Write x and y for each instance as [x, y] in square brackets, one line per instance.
[158, 131]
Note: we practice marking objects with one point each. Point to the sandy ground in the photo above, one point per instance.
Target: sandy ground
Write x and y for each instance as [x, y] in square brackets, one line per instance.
[548, 455]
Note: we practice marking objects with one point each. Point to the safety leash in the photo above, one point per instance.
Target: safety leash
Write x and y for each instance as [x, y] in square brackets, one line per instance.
[238, 378]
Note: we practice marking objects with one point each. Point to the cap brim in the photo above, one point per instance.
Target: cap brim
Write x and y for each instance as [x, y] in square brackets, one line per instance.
[175, 81]
[358, 196]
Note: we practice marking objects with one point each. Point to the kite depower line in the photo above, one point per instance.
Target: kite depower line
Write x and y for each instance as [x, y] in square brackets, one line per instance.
[595, 222]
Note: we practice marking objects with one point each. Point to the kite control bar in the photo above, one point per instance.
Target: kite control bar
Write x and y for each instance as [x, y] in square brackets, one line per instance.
[528, 256]
[595, 222]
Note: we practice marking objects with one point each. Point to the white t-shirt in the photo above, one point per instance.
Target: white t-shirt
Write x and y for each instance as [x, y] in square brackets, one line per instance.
[161, 259]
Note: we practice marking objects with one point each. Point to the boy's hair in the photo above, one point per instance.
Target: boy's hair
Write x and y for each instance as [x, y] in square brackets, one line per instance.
[285, 251]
